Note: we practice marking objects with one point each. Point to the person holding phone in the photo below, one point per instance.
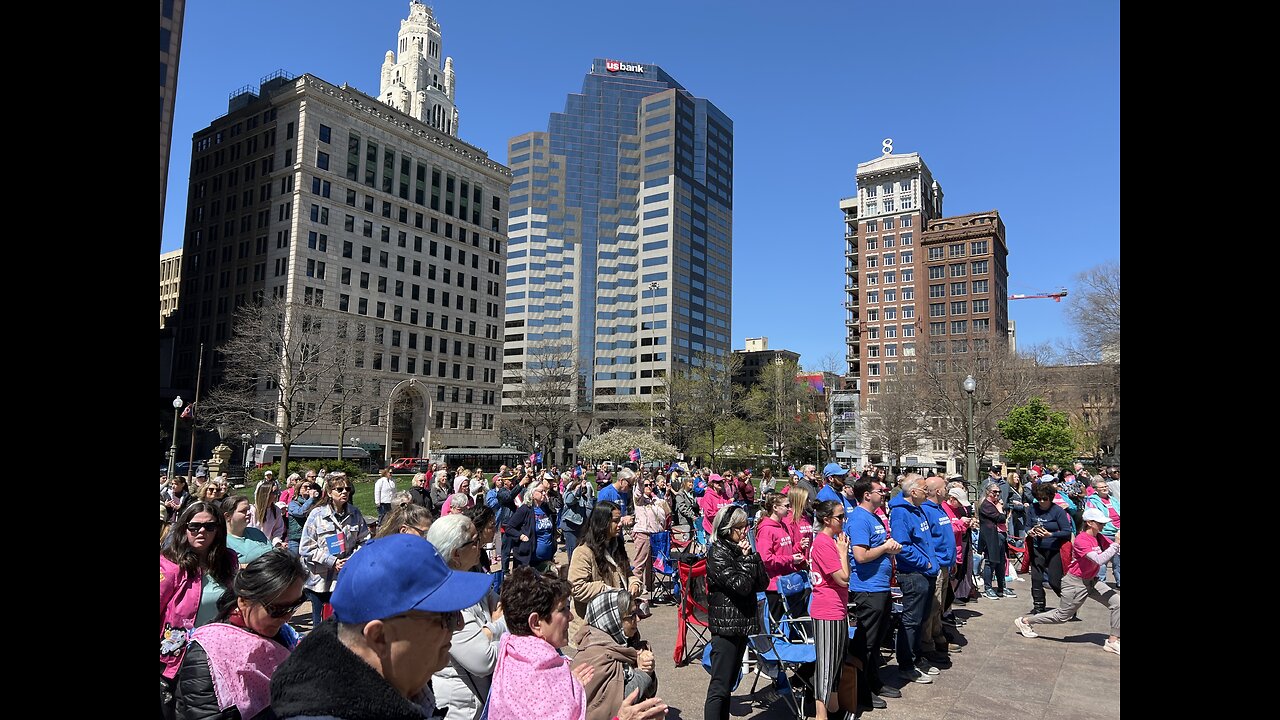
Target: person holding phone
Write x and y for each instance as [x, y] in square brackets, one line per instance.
[334, 530]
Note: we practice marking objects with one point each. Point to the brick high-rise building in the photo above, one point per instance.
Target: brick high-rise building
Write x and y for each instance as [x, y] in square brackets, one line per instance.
[918, 285]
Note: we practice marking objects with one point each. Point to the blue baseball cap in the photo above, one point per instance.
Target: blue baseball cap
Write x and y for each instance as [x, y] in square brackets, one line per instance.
[834, 469]
[399, 573]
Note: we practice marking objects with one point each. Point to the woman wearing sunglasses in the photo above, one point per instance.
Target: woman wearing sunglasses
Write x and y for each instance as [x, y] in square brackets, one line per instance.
[194, 559]
[463, 684]
[227, 669]
[335, 529]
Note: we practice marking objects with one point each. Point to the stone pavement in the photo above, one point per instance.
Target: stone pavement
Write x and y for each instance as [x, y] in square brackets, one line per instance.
[1062, 675]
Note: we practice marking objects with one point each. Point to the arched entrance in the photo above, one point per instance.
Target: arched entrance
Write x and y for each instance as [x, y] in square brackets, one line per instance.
[408, 414]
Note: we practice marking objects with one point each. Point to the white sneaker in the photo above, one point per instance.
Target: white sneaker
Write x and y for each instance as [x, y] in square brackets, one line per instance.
[1112, 646]
[1026, 631]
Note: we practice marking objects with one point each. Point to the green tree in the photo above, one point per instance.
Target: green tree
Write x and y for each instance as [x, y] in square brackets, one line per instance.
[777, 402]
[1036, 431]
[730, 437]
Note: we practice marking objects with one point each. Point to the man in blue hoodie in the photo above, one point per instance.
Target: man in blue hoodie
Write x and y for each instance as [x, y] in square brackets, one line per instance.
[915, 562]
[934, 641]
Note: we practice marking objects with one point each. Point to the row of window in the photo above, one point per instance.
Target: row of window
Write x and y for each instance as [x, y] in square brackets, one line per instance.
[959, 307]
[888, 241]
[887, 223]
[977, 267]
[980, 326]
[888, 259]
[890, 331]
[905, 275]
[978, 247]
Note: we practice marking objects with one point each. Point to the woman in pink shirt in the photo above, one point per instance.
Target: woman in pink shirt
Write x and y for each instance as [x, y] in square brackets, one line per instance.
[778, 542]
[1089, 551]
[829, 606]
[712, 500]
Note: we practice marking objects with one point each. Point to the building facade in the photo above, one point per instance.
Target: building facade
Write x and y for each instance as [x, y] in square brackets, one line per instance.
[171, 16]
[170, 283]
[621, 240]
[413, 80]
[919, 287]
[327, 197]
[755, 357]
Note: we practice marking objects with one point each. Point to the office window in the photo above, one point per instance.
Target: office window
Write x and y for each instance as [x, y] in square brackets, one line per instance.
[959, 346]
[981, 306]
[937, 291]
[322, 160]
[979, 247]
[325, 133]
[960, 308]
[981, 325]
[957, 288]
[980, 287]
[955, 250]
[908, 331]
[937, 272]
[937, 328]
[905, 238]
[959, 327]
[980, 267]
[957, 270]
[935, 253]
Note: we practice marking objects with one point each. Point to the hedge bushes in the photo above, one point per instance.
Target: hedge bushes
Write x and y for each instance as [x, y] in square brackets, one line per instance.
[353, 470]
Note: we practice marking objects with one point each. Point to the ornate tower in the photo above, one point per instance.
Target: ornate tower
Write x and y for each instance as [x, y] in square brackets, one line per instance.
[413, 80]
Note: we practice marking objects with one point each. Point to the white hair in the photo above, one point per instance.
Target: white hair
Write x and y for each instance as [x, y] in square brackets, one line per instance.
[728, 516]
[461, 500]
[448, 534]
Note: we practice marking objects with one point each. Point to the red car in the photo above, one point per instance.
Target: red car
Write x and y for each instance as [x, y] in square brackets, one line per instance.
[406, 465]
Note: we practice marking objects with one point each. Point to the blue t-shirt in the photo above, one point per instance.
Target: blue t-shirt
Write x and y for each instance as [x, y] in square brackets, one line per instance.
[546, 548]
[864, 528]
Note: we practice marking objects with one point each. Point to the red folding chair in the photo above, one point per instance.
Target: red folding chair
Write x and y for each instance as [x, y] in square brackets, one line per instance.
[692, 613]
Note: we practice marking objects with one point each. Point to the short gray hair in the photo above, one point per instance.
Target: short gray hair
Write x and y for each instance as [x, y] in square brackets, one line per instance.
[403, 497]
[527, 495]
[909, 483]
[459, 500]
[450, 533]
[728, 516]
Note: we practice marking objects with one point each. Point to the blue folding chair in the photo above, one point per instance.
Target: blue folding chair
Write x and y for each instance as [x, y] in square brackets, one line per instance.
[777, 655]
[664, 570]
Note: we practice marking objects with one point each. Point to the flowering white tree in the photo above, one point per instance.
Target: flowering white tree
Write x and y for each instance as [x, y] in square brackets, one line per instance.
[617, 444]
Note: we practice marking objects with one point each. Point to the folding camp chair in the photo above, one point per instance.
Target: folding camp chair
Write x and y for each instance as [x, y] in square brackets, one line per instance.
[692, 611]
[778, 655]
[664, 570]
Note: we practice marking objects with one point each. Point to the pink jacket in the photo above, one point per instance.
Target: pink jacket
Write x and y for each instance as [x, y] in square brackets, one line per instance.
[961, 529]
[179, 603]
[777, 543]
[711, 502]
[532, 680]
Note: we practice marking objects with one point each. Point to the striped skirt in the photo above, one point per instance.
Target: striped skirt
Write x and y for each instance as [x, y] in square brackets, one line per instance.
[831, 638]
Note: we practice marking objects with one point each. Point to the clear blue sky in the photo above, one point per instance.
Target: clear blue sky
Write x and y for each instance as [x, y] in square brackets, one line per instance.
[1015, 106]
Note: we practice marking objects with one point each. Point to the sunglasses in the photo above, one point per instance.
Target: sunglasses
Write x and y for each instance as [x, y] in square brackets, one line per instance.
[283, 611]
[340, 489]
[195, 527]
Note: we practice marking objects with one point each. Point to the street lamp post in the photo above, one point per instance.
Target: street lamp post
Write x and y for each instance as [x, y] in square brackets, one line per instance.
[971, 452]
[653, 349]
[817, 444]
[173, 446]
[244, 451]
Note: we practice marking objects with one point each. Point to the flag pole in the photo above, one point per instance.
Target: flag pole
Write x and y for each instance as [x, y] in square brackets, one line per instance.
[191, 457]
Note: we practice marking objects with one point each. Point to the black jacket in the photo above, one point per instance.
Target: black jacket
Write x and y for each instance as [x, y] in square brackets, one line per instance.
[523, 522]
[733, 579]
[193, 689]
[322, 678]
[420, 496]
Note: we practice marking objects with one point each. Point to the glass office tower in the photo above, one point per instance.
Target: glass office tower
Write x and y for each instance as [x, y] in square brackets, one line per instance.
[620, 251]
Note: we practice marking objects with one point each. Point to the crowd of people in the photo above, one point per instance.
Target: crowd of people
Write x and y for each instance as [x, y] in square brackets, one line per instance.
[471, 615]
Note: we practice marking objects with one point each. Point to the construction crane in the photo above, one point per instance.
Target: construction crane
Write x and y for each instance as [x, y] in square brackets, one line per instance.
[1057, 296]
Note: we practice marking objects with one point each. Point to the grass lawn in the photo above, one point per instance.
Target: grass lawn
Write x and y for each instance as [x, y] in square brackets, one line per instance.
[364, 493]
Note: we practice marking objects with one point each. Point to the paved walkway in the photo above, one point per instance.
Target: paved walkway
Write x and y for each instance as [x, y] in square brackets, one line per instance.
[1062, 675]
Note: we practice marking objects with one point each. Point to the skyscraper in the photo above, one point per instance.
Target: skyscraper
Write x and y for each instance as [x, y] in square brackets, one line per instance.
[621, 226]
[171, 15]
[919, 287]
[329, 198]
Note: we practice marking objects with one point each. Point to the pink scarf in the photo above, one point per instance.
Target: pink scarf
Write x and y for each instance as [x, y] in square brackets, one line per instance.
[241, 664]
[532, 680]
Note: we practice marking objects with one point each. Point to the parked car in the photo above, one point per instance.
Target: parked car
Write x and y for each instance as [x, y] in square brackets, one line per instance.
[401, 466]
[182, 468]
